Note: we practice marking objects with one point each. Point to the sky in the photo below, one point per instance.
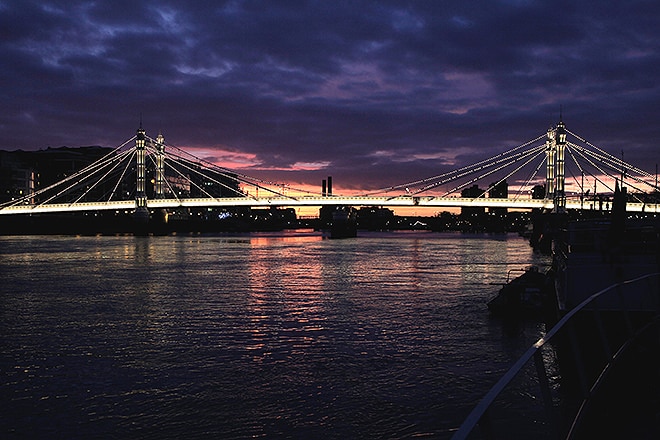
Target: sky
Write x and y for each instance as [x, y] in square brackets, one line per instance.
[373, 93]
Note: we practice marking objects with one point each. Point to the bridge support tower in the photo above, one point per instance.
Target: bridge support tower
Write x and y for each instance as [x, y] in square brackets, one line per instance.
[550, 150]
[560, 195]
[555, 147]
[160, 166]
[141, 213]
[160, 215]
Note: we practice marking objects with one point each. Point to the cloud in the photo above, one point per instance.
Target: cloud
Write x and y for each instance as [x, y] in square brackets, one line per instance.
[375, 93]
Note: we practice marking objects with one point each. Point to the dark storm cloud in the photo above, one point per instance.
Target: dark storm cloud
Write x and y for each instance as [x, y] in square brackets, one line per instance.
[381, 92]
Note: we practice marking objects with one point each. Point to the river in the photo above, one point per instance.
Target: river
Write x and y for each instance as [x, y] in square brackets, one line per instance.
[283, 335]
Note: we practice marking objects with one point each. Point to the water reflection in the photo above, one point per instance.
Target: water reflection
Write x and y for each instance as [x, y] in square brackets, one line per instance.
[280, 336]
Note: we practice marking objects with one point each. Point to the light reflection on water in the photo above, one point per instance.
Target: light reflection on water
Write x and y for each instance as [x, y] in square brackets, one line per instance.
[276, 335]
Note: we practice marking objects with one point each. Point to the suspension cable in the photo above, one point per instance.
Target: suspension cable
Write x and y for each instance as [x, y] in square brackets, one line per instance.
[182, 162]
[448, 173]
[167, 182]
[188, 180]
[90, 170]
[98, 163]
[118, 162]
[232, 176]
[536, 151]
[581, 153]
[259, 183]
[613, 158]
[221, 171]
[121, 177]
[630, 176]
[511, 173]
[511, 159]
[529, 179]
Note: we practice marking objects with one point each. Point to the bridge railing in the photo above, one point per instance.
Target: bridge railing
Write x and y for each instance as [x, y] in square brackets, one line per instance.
[560, 415]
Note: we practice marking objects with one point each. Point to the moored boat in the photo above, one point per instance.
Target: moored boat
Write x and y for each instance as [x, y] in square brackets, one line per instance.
[591, 254]
[611, 345]
[344, 223]
[527, 295]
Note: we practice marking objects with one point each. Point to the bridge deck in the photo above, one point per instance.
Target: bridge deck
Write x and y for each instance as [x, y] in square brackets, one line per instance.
[356, 201]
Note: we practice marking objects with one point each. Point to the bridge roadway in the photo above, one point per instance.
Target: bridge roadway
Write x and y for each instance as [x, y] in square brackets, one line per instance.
[355, 201]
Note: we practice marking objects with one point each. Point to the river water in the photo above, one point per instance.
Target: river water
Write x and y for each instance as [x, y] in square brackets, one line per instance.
[284, 335]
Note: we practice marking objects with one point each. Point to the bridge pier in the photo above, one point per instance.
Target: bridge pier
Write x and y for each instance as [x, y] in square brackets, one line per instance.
[141, 221]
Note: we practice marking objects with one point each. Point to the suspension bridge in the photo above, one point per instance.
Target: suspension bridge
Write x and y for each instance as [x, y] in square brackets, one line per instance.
[144, 174]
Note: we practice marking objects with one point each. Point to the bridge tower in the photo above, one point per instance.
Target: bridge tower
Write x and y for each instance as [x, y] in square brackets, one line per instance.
[560, 195]
[160, 165]
[555, 147]
[141, 212]
[550, 150]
